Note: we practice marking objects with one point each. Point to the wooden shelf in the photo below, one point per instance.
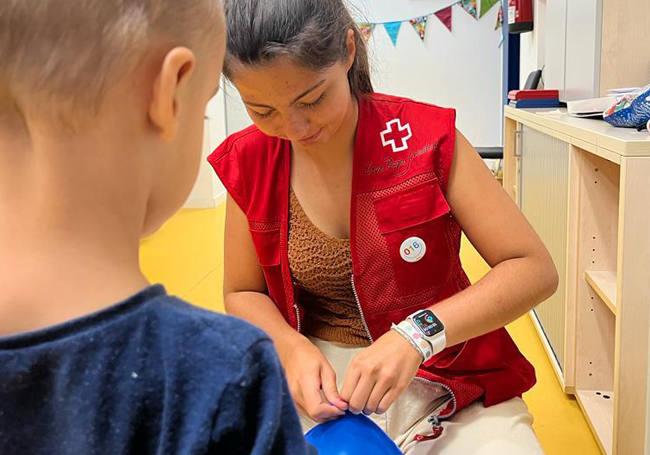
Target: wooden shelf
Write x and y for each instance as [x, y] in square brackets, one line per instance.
[600, 415]
[597, 135]
[604, 284]
[605, 308]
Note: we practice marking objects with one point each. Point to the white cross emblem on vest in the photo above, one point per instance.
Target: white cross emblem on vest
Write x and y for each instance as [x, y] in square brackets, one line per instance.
[396, 135]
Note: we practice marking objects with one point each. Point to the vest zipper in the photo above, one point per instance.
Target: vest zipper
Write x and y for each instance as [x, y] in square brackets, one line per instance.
[435, 420]
[363, 318]
[295, 307]
[451, 394]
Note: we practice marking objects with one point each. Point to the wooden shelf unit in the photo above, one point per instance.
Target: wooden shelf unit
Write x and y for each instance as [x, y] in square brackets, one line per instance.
[603, 284]
[598, 407]
[606, 298]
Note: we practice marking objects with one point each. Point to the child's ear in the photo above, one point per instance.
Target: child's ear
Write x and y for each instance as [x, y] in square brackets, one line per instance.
[175, 71]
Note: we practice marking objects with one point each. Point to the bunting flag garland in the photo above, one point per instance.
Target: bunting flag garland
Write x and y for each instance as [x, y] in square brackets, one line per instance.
[366, 29]
[420, 25]
[392, 28]
[445, 16]
[470, 7]
[486, 5]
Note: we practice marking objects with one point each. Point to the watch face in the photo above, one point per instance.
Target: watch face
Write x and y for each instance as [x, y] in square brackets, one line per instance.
[428, 323]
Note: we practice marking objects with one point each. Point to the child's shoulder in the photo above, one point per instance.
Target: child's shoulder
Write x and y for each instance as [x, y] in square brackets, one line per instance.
[201, 332]
[210, 353]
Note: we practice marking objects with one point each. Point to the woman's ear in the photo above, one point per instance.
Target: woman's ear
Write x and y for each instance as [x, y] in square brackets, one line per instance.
[351, 44]
[172, 79]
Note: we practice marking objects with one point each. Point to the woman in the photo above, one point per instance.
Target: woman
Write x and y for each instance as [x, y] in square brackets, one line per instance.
[343, 231]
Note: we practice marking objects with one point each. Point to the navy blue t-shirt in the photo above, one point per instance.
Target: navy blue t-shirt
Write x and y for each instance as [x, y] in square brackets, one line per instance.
[152, 375]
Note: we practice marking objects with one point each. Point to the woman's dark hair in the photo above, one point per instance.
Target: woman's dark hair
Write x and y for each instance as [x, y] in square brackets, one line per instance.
[311, 32]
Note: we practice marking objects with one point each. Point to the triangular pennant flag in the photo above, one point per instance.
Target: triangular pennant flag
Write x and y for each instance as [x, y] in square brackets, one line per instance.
[486, 5]
[445, 16]
[499, 23]
[470, 7]
[420, 25]
[366, 30]
[392, 28]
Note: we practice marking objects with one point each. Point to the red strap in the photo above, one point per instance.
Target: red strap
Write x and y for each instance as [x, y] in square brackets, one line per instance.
[435, 434]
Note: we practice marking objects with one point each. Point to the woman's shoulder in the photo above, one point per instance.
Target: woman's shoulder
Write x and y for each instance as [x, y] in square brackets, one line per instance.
[399, 102]
[243, 158]
[247, 139]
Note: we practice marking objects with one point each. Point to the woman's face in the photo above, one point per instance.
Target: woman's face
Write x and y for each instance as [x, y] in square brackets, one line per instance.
[287, 100]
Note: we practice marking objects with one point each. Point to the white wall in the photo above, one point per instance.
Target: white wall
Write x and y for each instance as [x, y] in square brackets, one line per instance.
[208, 191]
[236, 116]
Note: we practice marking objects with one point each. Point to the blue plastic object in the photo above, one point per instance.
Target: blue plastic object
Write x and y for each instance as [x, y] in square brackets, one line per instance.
[351, 435]
[630, 111]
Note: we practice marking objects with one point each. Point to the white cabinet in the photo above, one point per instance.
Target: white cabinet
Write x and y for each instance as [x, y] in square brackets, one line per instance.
[583, 48]
[554, 37]
[572, 48]
[590, 46]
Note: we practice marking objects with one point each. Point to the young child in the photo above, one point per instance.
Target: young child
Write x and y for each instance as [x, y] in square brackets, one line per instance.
[101, 114]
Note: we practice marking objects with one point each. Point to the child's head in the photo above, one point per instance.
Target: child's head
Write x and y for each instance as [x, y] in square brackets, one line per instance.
[127, 76]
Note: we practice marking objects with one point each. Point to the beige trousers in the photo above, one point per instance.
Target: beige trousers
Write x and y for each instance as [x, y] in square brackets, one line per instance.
[503, 429]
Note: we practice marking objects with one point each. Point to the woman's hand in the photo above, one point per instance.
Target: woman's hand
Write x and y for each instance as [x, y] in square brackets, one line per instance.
[312, 381]
[380, 373]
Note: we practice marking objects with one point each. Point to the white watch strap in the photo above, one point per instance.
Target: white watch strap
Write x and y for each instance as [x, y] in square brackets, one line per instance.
[438, 342]
[406, 328]
[428, 346]
[410, 340]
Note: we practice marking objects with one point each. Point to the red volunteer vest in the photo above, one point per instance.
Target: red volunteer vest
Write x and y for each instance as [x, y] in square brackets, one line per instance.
[402, 158]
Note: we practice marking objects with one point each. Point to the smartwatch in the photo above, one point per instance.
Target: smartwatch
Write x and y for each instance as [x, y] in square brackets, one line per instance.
[425, 332]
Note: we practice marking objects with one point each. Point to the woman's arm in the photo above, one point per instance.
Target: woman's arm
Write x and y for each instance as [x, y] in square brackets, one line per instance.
[244, 287]
[523, 273]
[309, 375]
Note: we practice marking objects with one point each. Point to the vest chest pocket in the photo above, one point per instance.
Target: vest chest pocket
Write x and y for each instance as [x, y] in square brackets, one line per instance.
[415, 224]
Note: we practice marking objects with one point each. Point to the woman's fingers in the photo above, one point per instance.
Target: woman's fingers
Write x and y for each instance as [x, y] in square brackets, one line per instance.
[352, 377]
[361, 394]
[376, 396]
[387, 400]
[330, 390]
[312, 400]
[373, 381]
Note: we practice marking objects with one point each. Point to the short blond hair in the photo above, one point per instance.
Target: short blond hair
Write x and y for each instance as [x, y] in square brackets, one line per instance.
[66, 52]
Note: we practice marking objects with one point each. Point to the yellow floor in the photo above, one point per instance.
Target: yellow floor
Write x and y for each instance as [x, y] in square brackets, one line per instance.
[186, 256]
